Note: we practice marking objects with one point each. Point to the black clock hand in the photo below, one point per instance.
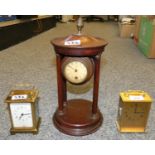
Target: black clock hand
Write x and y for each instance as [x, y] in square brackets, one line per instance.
[27, 114]
[73, 68]
[23, 115]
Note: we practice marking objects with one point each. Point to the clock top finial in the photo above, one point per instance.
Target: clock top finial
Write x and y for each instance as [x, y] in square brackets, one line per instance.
[80, 25]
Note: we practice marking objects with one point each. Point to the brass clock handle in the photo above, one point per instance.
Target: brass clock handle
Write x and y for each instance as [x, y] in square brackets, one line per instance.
[24, 86]
[135, 92]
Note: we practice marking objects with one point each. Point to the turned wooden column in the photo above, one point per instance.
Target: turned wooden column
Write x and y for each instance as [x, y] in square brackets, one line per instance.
[96, 83]
[60, 82]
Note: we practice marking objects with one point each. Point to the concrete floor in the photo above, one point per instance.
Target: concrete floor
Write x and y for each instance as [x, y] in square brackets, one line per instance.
[123, 68]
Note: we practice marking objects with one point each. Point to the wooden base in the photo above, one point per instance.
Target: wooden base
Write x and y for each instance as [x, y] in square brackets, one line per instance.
[77, 118]
[26, 130]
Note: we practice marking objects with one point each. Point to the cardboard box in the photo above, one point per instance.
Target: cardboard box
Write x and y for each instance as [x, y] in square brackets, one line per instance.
[146, 42]
[67, 18]
[126, 30]
[137, 29]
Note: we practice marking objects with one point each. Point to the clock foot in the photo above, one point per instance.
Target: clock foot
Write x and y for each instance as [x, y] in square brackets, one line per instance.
[12, 133]
[77, 118]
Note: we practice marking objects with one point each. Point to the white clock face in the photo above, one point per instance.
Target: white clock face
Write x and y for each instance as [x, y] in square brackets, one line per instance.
[75, 72]
[21, 115]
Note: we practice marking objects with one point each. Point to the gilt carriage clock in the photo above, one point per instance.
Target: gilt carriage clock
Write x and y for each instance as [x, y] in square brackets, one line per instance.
[23, 111]
[133, 111]
[78, 59]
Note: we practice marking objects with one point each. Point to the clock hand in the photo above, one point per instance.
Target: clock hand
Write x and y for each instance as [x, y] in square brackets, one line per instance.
[23, 115]
[73, 68]
[27, 114]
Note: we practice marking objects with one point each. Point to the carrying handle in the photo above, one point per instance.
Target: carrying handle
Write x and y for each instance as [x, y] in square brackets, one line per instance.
[139, 91]
[134, 92]
[24, 86]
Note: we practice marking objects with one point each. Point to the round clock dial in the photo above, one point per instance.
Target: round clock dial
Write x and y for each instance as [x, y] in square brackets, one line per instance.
[21, 115]
[77, 70]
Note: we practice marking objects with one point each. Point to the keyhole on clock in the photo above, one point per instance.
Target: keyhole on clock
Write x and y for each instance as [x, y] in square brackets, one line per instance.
[75, 70]
[76, 77]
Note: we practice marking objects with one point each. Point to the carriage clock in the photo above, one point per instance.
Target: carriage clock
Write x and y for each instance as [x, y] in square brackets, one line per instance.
[23, 111]
[133, 111]
[78, 59]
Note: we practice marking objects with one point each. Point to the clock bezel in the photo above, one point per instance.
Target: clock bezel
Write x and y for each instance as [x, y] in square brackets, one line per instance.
[87, 62]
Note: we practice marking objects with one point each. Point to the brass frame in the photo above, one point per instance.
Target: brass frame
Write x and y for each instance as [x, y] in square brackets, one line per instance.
[32, 100]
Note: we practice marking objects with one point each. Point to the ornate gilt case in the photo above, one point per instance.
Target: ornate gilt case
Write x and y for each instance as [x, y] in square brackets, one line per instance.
[133, 111]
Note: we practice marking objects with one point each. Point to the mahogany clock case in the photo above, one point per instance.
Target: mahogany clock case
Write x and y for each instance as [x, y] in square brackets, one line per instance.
[78, 117]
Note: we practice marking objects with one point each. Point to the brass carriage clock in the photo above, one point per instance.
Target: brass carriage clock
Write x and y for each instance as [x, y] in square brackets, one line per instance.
[133, 111]
[23, 111]
[78, 59]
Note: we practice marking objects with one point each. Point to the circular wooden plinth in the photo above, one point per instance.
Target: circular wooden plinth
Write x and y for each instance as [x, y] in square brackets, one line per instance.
[77, 119]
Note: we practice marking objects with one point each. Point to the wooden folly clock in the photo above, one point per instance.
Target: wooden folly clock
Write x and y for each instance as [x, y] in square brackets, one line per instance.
[78, 59]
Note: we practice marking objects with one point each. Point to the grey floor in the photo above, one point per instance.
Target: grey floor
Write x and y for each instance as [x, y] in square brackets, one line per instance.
[123, 67]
